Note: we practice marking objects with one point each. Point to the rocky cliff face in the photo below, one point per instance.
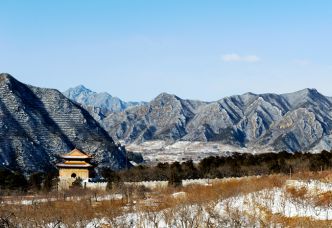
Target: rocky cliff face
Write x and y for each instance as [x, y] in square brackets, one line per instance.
[99, 105]
[37, 125]
[300, 121]
[165, 118]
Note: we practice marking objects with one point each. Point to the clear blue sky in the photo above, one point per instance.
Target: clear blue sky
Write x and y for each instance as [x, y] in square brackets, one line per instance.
[196, 49]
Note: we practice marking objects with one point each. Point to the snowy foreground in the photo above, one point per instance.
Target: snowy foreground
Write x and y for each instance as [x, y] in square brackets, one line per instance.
[295, 199]
[256, 201]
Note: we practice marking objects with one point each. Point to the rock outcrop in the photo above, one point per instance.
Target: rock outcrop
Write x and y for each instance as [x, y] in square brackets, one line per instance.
[37, 125]
[300, 121]
[99, 105]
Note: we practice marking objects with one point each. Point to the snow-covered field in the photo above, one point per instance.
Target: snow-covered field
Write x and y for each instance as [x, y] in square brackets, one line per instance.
[261, 201]
[162, 151]
[31, 200]
[252, 209]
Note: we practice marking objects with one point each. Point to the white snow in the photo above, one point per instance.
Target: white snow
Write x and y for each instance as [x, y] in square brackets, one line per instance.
[179, 195]
[162, 151]
[33, 200]
[275, 201]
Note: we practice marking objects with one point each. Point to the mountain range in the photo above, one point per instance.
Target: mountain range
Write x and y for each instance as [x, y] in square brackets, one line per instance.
[299, 121]
[37, 125]
[99, 105]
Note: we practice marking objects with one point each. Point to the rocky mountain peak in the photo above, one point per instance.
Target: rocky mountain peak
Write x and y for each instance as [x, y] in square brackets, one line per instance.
[7, 78]
[78, 92]
[81, 88]
[248, 120]
[37, 124]
[165, 96]
[307, 97]
[99, 105]
[302, 93]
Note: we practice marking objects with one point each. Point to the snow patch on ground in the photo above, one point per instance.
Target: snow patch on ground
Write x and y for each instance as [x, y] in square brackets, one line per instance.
[275, 201]
[179, 195]
[35, 200]
[162, 151]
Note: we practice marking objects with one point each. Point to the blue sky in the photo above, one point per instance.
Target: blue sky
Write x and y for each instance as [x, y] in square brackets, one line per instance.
[196, 49]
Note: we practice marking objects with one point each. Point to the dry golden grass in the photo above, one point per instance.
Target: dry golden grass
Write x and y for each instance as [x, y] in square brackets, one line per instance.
[67, 212]
[324, 199]
[322, 175]
[283, 221]
[297, 192]
[232, 187]
[151, 202]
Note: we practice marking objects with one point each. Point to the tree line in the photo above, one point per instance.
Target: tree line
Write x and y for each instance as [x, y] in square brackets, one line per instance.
[235, 165]
[14, 181]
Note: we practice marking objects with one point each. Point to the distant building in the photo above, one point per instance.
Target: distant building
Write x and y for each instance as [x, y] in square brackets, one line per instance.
[76, 165]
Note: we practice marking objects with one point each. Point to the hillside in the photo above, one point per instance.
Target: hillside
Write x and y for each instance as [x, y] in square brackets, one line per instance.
[37, 125]
[299, 121]
[99, 105]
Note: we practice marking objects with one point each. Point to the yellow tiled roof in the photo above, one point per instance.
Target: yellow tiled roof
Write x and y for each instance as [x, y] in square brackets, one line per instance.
[76, 162]
[76, 154]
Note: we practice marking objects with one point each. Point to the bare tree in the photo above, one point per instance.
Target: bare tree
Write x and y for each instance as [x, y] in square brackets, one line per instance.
[5, 220]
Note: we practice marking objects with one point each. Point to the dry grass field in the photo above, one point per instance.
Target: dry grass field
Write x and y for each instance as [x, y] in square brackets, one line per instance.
[266, 201]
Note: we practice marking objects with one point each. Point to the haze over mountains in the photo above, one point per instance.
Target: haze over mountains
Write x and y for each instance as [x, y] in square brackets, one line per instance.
[39, 124]
[299, 121]
[98, 104]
